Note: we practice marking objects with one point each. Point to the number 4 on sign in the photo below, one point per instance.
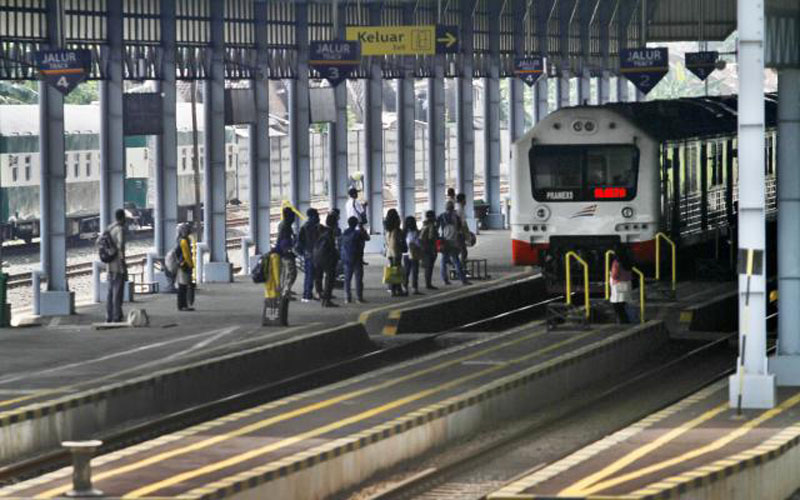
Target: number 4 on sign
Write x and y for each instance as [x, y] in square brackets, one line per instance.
[62, 82]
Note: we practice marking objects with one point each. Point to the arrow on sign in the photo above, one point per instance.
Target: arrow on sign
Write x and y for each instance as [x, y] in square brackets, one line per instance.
[448, 40]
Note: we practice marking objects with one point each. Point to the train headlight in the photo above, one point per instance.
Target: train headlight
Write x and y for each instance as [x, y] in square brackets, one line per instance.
[577, 126]
[526, 228]
[542, 212]
[627, 212]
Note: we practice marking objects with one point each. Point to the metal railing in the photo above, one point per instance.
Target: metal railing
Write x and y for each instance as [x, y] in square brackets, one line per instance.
[641, 293]
[583, 263]
[659, 237]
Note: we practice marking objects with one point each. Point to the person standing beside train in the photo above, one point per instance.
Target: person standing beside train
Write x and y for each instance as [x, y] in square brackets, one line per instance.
[621, 277]
[117, 269]
[185, 266]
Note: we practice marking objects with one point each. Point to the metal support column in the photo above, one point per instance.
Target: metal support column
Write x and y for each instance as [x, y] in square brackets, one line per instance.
[752, 386]
[436, 131]
[562, 90]
[406, 171]
[465, 114]
[218, 269]
[166, 153]
[604, 12]
[544, 13]
[541, 94]
[624, 15]
[585, 10]
[373, 135]
[491, 122]
[786, 365]
[604, 87]
[299, 117]
[337, 131]
[112, 142]
[260, 192]
[57, 300]
[516, 107]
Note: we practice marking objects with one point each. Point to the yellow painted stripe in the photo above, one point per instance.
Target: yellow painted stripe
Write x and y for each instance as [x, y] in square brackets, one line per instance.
[713, 446]
[237, 459]
[582, 487]
[292, 414]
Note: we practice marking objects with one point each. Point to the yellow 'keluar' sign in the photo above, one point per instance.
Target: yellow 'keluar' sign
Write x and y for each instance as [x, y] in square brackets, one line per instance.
[394, 40]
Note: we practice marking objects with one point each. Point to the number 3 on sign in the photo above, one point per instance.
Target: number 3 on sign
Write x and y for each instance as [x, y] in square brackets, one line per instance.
[62, 82]
[333, 73]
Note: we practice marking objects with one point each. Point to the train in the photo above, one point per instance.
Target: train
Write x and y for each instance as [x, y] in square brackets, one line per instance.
[20, 174]
[589, 177]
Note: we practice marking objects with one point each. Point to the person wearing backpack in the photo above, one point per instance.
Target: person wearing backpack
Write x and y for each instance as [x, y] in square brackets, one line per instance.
[113, 247]
[450, 229]
[352, 254]
[427, 238]
[305, 247]
[185, 266]
[413, 254]
[284, 247]
[325, 257]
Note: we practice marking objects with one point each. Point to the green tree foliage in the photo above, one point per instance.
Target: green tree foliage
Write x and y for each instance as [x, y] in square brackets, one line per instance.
[27, 92]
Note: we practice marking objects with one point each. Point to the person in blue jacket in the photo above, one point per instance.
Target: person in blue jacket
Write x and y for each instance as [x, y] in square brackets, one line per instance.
[352, 255]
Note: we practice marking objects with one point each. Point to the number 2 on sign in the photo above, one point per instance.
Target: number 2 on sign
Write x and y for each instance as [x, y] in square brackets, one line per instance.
[62, 82]
[645, 80]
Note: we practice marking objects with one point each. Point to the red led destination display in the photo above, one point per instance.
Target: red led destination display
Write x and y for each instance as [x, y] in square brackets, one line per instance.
[610, 193]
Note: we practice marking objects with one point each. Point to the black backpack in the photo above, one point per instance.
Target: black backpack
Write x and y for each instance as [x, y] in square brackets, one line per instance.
[106, 248]
[324, 250]
[260, 271]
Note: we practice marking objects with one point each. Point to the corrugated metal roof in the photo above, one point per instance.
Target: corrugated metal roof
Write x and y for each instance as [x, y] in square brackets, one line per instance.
[687, 20]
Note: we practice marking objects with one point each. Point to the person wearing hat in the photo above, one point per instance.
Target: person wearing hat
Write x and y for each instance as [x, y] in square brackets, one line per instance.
[356, 208]
[185, 267]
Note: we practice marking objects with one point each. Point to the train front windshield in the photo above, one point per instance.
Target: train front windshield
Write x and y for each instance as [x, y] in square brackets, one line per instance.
[584, 172]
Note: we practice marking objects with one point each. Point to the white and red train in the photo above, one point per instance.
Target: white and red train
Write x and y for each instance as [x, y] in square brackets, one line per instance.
[589, 177]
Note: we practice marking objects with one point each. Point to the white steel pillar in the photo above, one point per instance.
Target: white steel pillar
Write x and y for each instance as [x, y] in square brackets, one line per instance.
[218, 269]
[541, 94]
[622, 89]
[373, 136]
[603, 88]
[786, 365]
[752, 386]
[562, 90]
[260, 187]
[436, 131]
[166, 154]
[337, 131]
[406, 171]
[491, 123]
[299, 158]
[465, 115]
[57, 300]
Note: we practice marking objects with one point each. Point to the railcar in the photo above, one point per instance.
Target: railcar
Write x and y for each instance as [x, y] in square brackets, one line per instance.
[588, 177]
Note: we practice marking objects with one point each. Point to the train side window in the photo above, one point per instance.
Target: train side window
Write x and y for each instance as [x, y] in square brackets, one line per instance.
[88, 169]
[14, 174]
[27, 172]
[711, 160]
[75, 170]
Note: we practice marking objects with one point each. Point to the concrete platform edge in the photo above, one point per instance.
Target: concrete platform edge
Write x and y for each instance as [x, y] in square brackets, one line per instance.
[339, 464]
[40, 428]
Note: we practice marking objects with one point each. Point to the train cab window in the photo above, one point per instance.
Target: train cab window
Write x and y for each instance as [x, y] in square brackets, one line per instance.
[584, 173]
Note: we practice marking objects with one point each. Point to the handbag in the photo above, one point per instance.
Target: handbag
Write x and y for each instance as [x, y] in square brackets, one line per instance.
[393, 275]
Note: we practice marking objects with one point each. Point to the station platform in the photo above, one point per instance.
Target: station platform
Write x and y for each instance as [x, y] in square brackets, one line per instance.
[65, 364]
[319, 442]
[698, 448]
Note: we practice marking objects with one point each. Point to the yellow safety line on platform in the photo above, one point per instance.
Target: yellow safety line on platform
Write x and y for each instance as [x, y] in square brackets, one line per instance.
[292, 414]
[242, 457]
[364, 316]
[579, 487]
[713, 446]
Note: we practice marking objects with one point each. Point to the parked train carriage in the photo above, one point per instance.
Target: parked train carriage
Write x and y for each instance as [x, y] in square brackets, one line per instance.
[588, 177]
[20, 175]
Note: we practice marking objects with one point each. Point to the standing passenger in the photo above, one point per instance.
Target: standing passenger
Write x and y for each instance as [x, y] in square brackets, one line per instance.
[356, 208]
[186, 266]
[450, 230]
[352, 253]
[285, 248]
[428, 237]
[621, 282]
[461, 211]
[117, 269]
[413, 253]
[325, 257]
[394, 246]
[305, 246]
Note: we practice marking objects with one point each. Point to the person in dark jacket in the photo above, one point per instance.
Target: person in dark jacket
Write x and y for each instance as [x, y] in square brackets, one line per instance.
[305, 247]
[284, 246]
[352, 252]
[427, 238]
[325, 259]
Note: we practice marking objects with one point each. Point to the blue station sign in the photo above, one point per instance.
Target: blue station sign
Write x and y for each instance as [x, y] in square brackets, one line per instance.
[529, 69]
[334, 59]
[64, 69]
[702, 64]
[644, 67]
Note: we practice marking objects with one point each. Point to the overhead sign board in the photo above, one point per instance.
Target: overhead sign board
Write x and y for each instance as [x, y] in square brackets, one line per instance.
[644, 67]
[334, 59]
[529, 69]
[142, 114]
[64, 69]
[702, 64]
[411, 40]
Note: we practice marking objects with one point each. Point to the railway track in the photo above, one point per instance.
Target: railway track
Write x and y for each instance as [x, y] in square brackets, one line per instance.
[485, 468]
[305, 381]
